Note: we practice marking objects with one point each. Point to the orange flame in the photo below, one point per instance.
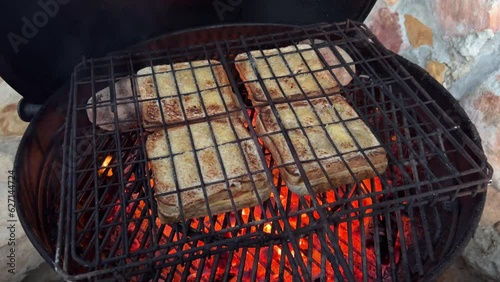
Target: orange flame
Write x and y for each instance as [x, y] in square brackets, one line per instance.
[105, 165]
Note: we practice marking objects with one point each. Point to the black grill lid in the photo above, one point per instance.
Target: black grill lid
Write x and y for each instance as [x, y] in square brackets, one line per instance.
[42, 40]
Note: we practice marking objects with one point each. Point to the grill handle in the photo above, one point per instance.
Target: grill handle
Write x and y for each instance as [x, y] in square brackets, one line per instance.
[27, 110]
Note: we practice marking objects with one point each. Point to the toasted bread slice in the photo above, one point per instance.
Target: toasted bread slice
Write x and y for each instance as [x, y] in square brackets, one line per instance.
[329, 138]
[341, 73]
[213, 180]
[105, 112]
[293, 72]
[207, 92]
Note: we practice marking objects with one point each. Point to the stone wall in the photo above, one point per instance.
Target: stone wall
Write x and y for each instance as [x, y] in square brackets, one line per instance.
[458, 43]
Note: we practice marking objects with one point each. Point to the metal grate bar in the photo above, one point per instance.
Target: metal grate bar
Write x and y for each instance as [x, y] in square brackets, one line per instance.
[58, 261]
[407, 89]
[377, 52]
[239, 147]
[174, 171]
[286, 224]
[379, 106]
[422, 212]
[388, 227]
[291, 147]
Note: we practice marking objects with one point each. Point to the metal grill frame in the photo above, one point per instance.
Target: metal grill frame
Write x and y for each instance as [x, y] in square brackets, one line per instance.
[346, 35]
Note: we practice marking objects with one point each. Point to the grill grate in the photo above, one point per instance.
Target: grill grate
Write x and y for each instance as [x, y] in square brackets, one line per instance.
[385, 228]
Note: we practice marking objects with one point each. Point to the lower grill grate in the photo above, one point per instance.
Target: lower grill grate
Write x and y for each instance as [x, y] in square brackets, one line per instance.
[386, 228]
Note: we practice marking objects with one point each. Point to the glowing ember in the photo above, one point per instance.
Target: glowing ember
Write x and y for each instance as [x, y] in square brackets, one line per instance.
[113, 213]
[245, 211]
[271, 261]
[277, 250]
[267, 228]
[303, 244]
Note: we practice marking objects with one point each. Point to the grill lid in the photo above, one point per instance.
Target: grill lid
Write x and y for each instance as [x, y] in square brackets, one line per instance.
[43, 40]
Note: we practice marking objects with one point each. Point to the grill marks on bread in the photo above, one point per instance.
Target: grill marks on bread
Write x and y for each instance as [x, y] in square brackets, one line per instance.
[204, 161]
[183, 90]
[292, 72]
[326, 133]
[222, 168]
[192, 167]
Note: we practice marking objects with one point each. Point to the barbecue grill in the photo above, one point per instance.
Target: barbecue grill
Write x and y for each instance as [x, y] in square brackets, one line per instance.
[86, 195]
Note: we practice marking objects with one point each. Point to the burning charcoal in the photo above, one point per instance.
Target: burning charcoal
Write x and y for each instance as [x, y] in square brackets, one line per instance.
[105, 116]
[341, 73]
[383, 238]
[219, 262]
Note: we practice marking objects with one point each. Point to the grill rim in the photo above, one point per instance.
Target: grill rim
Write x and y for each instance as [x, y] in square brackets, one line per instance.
[50, 107]
[418, 73]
